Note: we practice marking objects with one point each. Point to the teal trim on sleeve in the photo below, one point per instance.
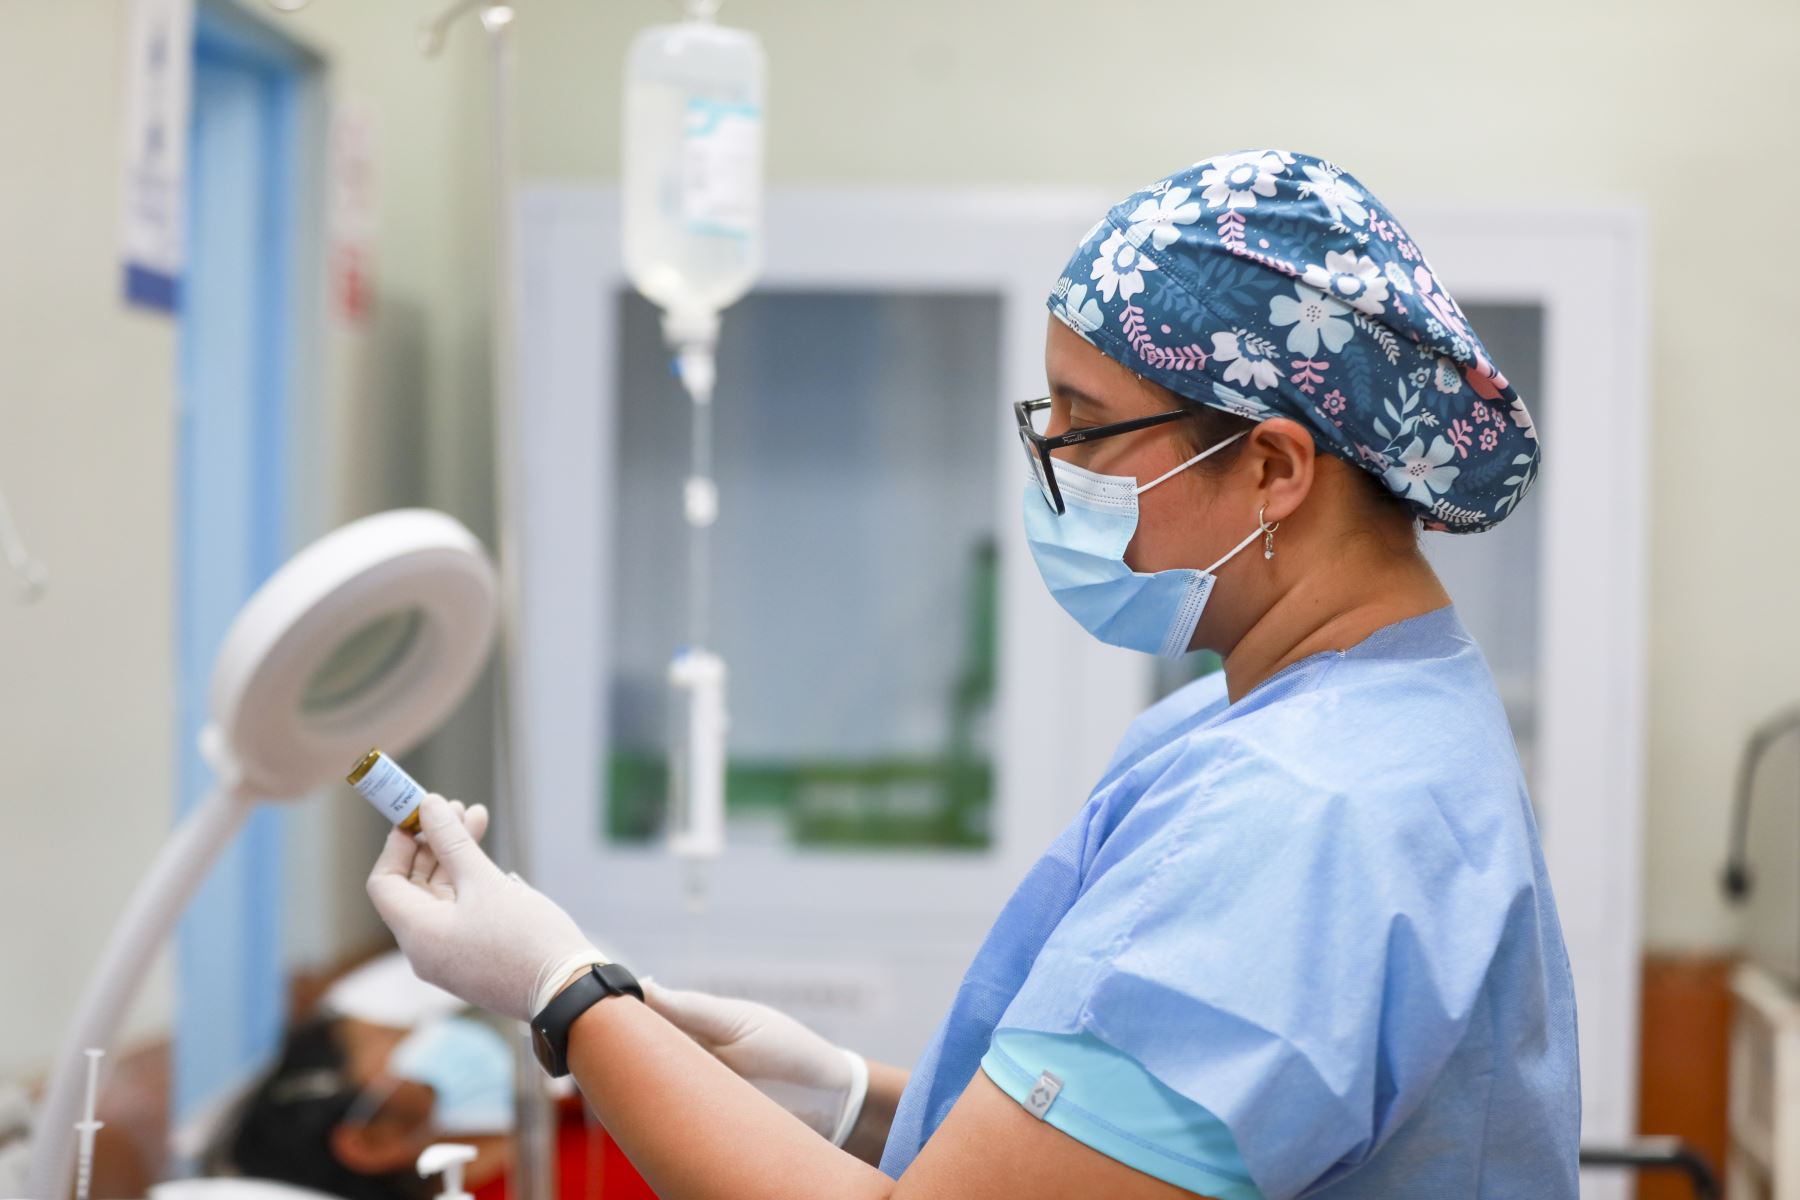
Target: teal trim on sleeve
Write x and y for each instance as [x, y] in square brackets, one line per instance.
[1110, 1103]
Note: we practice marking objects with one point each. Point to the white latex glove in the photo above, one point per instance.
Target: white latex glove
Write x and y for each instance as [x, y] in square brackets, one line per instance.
[822, 1084]
[468, 927]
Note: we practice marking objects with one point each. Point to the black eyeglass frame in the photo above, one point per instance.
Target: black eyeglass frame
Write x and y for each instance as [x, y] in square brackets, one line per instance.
[1038, 445]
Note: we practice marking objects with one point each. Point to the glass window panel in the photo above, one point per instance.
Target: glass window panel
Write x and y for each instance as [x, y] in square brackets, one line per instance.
[1493, 576]
[854, 567]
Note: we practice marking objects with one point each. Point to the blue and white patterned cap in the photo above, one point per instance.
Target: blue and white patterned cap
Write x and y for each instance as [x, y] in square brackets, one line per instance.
[1268, 283]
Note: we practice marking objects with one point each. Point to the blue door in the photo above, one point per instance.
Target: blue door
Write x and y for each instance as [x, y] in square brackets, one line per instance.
[236, 350]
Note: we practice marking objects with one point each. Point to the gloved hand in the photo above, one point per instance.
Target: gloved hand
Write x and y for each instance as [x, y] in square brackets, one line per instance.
[469, 927]
[822, 1084]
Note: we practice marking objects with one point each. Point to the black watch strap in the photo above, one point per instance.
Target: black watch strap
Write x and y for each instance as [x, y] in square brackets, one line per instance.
[550, 1028]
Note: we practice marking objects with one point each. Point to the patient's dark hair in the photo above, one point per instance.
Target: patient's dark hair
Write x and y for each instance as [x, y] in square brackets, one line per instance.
[283, 1130]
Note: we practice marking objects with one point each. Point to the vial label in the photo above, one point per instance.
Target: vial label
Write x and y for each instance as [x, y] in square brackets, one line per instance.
[393, 792]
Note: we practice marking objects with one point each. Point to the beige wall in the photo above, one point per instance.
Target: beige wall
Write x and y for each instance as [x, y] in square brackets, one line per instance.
[86, 436]
[1688, 108]
[87, 413]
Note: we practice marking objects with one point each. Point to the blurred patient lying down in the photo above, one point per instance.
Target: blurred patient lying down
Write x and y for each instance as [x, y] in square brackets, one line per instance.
[388, 1067]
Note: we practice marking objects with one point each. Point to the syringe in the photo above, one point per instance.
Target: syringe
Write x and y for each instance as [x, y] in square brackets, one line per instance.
[88, 1127]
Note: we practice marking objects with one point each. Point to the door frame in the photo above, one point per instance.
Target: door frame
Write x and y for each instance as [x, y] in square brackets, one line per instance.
[230, 967]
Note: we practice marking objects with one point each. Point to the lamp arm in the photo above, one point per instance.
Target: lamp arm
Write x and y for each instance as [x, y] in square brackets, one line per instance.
[144, 926]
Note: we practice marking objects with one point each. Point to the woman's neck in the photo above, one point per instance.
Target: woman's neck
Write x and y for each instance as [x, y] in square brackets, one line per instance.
[1331, 609]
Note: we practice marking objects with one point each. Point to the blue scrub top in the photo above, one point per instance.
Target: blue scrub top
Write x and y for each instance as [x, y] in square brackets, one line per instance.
[1320, 915]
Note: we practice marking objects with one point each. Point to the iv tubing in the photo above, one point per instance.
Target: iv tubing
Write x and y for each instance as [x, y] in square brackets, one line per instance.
[697, 372]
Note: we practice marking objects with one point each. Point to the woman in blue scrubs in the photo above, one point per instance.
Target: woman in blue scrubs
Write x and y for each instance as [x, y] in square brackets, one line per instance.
[1299, 941]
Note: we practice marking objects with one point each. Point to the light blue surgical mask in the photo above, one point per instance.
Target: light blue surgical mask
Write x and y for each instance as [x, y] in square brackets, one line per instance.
[1081, 555]
[468, 1067]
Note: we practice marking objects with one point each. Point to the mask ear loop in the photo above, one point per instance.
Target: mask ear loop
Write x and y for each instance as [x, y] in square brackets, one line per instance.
[1171, 473]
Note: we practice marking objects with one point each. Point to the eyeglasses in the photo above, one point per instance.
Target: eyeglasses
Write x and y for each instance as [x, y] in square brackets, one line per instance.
[1038, 446]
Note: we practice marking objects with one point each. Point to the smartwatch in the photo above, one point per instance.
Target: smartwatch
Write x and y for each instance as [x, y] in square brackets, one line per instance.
[550, 1028]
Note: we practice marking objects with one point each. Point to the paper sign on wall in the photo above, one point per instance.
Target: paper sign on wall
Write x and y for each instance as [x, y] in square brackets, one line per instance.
[159, 55]
[351, 172]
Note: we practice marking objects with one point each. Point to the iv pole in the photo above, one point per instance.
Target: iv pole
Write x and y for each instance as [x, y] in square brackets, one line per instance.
[534, 1169]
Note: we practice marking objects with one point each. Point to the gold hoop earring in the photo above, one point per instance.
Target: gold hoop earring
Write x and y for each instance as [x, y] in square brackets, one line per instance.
[1268, 532]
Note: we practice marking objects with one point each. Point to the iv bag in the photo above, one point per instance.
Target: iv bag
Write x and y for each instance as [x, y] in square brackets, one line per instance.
[693, 166]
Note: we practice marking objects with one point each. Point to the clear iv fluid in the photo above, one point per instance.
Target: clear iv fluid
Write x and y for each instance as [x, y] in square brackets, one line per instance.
[693, 165]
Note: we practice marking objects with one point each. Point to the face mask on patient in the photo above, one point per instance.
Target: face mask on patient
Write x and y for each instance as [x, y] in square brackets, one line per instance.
[466, 1065]
[351, 1104]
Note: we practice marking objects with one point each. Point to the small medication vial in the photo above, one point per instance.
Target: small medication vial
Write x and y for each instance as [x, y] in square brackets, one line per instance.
[394, 793]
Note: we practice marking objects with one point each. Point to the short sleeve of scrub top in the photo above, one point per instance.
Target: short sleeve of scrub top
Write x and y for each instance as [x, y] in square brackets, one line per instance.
[1109, 1103]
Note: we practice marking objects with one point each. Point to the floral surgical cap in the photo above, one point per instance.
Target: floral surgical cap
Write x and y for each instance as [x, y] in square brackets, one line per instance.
[1267, 283]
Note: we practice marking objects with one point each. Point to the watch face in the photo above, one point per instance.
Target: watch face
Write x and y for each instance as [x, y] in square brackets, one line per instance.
[546, 1053]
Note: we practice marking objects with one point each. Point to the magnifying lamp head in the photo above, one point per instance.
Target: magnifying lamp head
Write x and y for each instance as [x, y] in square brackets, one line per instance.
[368, 637]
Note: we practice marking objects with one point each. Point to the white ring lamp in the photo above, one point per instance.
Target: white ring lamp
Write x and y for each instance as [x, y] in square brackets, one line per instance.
[368, 637]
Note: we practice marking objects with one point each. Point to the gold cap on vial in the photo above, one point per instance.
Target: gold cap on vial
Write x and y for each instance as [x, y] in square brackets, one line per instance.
[362, 766]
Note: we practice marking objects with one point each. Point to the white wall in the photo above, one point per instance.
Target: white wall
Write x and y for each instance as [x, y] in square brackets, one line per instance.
[87, 421]
[1686, 108]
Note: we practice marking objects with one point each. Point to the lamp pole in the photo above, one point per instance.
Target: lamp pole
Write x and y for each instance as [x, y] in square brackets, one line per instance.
[149, 917]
